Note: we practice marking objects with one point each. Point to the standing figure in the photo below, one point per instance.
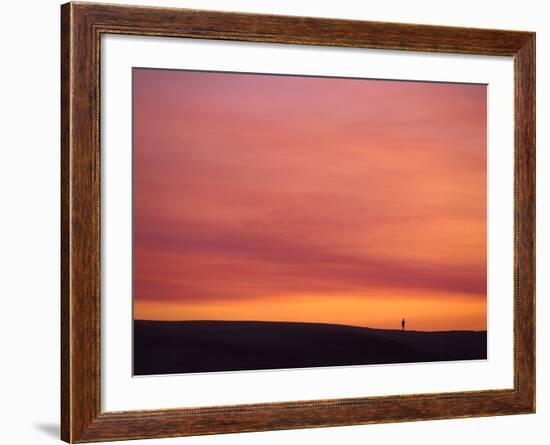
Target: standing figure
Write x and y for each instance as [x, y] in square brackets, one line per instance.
[403, 325]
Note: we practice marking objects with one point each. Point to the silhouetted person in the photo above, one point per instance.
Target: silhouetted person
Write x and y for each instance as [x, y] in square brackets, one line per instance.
[403, 325]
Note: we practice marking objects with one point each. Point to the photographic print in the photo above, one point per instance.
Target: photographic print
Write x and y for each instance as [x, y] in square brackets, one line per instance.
[288, 221]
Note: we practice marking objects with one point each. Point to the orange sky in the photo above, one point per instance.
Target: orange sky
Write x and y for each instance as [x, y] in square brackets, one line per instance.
[260, 197]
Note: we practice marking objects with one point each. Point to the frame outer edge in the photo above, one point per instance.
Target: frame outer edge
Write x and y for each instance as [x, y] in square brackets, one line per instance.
[80, 230]
[525, 60]
[66, 47]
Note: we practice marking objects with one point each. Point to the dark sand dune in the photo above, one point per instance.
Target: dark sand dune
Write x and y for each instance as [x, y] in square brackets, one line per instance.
[162, 347]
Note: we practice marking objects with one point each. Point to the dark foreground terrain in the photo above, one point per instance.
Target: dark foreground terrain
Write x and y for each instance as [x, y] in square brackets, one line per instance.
[166, 347]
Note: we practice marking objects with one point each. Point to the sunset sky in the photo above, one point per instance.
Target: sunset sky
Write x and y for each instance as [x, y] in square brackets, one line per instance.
[286, 198]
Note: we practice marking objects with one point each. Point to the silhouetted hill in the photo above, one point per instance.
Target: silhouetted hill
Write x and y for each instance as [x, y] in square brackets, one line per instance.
[168, 347]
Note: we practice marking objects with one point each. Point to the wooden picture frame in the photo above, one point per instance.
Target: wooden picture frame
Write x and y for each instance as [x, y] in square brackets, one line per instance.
[82, 25]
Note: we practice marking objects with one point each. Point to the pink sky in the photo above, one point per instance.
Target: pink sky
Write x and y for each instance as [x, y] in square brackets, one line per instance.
[309, 199]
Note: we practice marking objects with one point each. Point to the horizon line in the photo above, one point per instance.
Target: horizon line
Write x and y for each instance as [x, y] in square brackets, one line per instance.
[305, 322]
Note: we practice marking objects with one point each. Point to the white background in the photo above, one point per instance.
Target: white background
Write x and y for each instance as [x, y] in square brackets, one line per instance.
[29, 239]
